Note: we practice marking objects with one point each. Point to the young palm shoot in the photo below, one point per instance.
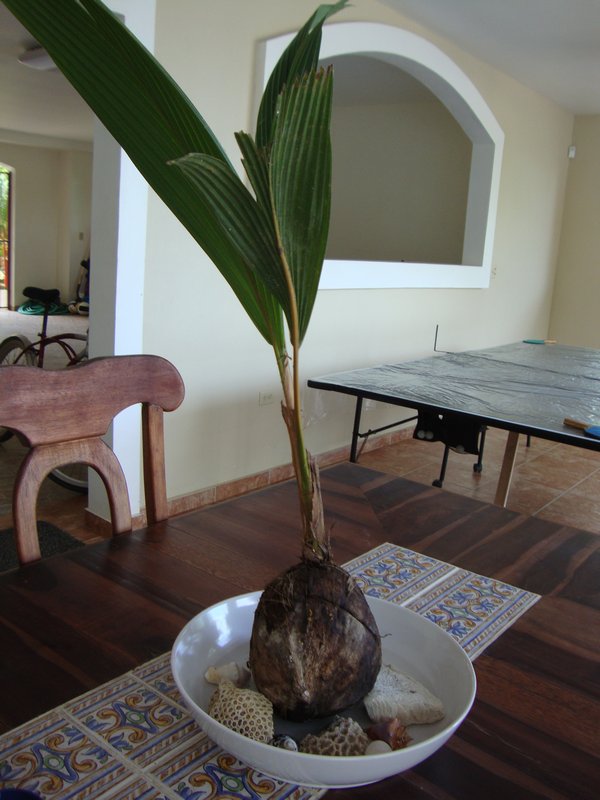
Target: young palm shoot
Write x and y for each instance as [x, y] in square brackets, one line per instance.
[315, 647]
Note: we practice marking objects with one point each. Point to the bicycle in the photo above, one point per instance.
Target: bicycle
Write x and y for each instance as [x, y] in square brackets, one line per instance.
[19, 350]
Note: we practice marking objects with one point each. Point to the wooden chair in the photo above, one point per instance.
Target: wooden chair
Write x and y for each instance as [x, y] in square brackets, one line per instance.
[62, 415]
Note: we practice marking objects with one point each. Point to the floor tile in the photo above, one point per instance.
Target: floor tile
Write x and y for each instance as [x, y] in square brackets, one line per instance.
[575, 510]
[556, 469]
[555, 481]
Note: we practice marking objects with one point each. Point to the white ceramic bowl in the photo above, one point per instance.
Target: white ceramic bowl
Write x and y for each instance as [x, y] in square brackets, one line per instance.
[411, 643]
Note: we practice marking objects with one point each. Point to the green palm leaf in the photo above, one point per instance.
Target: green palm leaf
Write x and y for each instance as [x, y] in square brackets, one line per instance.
[152, 120]
[300, 175]
[300, 57]
[242, 219]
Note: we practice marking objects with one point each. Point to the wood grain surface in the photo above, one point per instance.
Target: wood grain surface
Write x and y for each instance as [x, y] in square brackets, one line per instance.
[74, 621]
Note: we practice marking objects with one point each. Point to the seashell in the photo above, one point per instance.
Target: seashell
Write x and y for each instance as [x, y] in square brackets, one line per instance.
[398, 696]
[344, 737]
[392, 732]
[242, 710]
[238, 674]
[376, 747]
[284, 742]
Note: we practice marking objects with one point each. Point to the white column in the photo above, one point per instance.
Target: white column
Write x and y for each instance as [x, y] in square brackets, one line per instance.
[118, 255]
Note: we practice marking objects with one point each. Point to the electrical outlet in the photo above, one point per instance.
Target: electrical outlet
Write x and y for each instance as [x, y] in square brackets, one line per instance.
[266, 398]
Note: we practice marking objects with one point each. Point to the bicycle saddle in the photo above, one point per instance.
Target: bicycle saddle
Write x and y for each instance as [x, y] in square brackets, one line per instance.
[43, 296]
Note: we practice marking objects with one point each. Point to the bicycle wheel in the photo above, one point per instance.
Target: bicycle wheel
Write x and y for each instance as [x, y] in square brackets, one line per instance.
[15, 350]
[71, 476]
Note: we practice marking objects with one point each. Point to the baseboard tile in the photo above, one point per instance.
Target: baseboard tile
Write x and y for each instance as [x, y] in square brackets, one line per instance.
[250, 483]
[260, 480]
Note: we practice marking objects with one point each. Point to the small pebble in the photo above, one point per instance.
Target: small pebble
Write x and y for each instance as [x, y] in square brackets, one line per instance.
[376, 747]
[284, 742]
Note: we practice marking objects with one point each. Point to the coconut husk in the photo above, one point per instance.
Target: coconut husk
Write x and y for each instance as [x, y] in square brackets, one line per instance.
[315, 648]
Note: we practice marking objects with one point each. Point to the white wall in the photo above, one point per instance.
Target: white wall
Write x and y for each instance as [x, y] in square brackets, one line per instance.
[75, 213]
[52, 193]
[575, 317]
[221, 433]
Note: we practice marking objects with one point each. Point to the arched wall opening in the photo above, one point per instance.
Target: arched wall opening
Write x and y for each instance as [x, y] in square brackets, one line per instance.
[426, 63]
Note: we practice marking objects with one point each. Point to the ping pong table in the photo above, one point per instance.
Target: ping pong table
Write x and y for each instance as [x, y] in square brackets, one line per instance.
[523, 388]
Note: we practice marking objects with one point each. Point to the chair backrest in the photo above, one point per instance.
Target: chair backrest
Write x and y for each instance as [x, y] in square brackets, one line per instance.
[62, 415]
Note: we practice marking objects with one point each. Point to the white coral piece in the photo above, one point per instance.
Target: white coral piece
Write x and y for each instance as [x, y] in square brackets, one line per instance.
[238, 674]
[243, 710]
[399, 696]
[344, 737]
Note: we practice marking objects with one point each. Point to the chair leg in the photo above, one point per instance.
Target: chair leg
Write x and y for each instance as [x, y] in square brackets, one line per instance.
[36, 466]
[155, 490]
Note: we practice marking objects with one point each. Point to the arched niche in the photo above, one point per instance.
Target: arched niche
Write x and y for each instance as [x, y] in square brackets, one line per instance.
[436, 71]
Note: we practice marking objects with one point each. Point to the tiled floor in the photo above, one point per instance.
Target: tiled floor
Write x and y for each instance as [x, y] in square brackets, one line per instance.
[552, 481]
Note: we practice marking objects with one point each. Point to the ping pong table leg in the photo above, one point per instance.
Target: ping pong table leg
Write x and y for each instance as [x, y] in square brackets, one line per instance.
[506, 472]
[356, 428]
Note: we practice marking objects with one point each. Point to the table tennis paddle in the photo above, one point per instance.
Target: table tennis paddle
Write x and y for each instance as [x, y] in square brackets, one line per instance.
[589, 430]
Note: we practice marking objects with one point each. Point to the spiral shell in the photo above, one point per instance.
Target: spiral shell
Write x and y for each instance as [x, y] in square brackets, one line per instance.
[238, 674]
[392, 732]
[284, 742]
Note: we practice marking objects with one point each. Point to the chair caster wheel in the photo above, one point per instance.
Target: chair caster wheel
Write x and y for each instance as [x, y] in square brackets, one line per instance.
[437, 483]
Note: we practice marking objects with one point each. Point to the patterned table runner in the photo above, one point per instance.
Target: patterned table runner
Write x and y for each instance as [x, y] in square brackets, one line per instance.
[473, 609]
[133, 737]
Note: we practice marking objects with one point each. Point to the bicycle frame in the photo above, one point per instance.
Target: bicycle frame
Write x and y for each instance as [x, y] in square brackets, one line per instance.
[39, 347]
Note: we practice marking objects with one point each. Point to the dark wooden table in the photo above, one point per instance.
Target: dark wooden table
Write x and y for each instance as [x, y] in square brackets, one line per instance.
[72, 622]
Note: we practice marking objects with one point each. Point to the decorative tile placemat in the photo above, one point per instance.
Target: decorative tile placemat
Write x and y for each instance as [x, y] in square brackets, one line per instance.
[133, 738]
[473, 609]
[130, 739]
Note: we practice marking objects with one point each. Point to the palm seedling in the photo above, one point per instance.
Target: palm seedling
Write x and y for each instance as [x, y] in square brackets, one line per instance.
[315, 646]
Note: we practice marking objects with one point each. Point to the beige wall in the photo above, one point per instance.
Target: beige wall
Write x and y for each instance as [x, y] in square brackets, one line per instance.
[400, 183]
[191, 317]
[74, 244]
[575, 317]
[52, 196]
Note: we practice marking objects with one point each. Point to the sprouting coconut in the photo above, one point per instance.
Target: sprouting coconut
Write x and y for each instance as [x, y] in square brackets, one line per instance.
[315, 646]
